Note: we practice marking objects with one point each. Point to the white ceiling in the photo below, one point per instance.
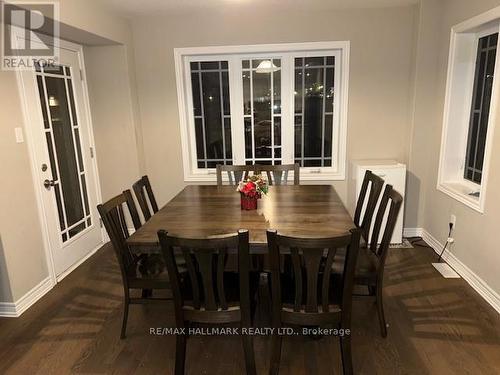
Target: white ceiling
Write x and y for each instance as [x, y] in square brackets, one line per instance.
[131, 8]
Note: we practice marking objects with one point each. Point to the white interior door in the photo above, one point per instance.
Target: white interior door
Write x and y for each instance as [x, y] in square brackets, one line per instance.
[58, 118]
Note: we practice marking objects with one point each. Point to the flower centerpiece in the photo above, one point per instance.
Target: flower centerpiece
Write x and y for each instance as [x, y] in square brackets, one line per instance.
[250, 190]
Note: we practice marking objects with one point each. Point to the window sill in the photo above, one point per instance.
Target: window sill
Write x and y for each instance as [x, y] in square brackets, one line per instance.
[304, 176]
[461, 192]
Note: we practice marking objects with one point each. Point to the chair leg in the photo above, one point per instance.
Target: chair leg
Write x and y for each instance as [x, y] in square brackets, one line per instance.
[180, 354]
[380, 310]
[126, 304]
[274, 368]
[249, 355]
[264, 299]
[345, 349]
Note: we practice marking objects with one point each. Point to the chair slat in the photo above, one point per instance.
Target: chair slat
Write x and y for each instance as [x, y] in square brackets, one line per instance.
[312, 262]
[192, 276]
[325, 284]
[205, 266]
[278, 174]
[297, 275]
[238, 176]
[143, 193]
[221, 261]
[375, 183]
[235, 173]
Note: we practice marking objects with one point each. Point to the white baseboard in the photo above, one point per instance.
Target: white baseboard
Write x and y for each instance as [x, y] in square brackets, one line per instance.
[15, 309]
[478, 284]
[412, 232]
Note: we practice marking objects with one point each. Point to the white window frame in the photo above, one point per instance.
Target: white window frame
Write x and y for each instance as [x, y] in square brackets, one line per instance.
[458, 101]
[233, 54]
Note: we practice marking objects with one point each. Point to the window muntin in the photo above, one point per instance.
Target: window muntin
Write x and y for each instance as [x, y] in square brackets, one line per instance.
[314, 103]
[480, 107]
[211, 112]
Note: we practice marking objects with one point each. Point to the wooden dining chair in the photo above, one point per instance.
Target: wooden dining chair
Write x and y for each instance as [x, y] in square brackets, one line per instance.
[235, 173]
[210, 295]
[278, 174]
[308, 299]
[144, 193]
[371, 260]
[370, 192]
[135, 275]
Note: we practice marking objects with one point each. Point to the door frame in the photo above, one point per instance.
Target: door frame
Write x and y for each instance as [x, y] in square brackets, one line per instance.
[35, 170]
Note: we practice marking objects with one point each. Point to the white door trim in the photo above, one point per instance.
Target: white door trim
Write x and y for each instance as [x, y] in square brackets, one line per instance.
[30, 141]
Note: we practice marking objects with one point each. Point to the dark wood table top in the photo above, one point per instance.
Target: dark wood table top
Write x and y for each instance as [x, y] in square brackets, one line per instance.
[202, 211]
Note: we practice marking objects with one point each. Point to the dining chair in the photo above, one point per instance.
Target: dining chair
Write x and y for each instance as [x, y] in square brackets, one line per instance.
[143, 193]
[371, 260]
[307, 298]
[370, 192]
[278, 174]
[135, 274]
[210, 295]
[235, 173]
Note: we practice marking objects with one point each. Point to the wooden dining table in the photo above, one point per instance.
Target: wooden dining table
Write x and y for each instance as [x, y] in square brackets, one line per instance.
[201, 211]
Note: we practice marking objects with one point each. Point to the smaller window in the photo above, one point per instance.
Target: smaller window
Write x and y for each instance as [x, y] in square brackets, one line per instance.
[211, 110]
[480, 108]
[314, 92]
[469, 114]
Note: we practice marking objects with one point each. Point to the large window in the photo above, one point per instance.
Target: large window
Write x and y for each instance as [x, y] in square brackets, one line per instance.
[469, 118]
[268, 104]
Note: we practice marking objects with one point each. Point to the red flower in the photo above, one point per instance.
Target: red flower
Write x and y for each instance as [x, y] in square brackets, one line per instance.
[249, 189]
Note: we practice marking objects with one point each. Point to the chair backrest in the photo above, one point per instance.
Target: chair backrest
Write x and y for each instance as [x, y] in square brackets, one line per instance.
[143, 193]
[392, 199]
[374, 183]
[205, 259]
[311, 267]
[235, 173]
[113, 217]
[278, 174]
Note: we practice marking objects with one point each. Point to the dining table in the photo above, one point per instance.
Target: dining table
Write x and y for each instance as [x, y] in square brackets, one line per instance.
[202, 211]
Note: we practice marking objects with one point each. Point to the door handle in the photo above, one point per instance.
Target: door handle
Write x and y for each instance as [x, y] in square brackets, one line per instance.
[48, 184]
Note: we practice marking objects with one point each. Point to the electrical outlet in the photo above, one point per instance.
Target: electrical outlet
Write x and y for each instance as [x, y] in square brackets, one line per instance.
[19, 135]
[453, 220]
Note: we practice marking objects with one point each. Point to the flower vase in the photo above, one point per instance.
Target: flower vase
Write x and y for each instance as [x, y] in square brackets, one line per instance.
[248, 203]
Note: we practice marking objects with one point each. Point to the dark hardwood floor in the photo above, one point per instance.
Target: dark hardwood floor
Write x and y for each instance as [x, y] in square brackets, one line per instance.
[437, 326]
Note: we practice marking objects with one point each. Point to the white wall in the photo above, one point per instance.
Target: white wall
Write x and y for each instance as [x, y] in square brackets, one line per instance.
[116, 121]
[381, 74]
[112, 118]
[476, 240]
[22, 259]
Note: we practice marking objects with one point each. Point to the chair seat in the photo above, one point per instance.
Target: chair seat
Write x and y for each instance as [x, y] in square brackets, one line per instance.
[366, 266]
[148, 272]
[303, 318]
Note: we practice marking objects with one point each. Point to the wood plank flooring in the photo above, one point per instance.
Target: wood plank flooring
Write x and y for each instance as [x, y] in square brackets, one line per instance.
[437, 326]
